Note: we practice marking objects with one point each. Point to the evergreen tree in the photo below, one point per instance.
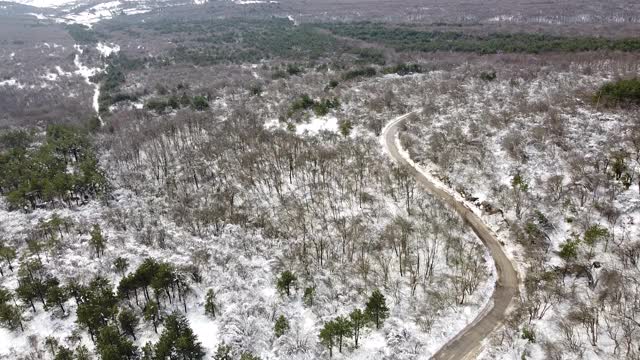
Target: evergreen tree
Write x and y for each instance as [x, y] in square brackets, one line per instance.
[345, 128]
[286, 280]
[82, 353]
[128, 322]
[210, 307]
[376, 308]
[97, 307]
[56, 294]
[127, 285]
[76, 290]
[97, 240]
[110, 345]
[7, 254]
[307, 298]
[223, 352]
[26, 292]
[10, 314]
[328, 335]
[342, 329]
[162, 280]
[121, 264]
[178, 340]
[52, 344]
[151, 313]
[64, 353]
[248, 356]
[358, 320]
[148, 352]
[31, 282]
[144, 275]
[281, 326]
[11, 317]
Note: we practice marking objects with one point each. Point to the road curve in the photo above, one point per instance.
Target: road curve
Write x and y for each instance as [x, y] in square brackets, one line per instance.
[467, 343]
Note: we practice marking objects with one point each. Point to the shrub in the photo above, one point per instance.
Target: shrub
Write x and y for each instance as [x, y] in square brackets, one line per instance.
[619, 93]
[200, 103]
[529, 334]
[366, 72]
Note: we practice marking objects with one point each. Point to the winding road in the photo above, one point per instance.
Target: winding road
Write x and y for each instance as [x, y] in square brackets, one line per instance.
[468, 342]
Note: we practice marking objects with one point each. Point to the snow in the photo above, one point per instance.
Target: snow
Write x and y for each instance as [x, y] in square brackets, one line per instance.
[12, 82]
[102, 11]
[374, 343]
[318, 124]
[314, 126]
[206, 330]
[107, 50]
[94, 14]
[38, 16]
[46, 3]
[50, 76]
[87, 73]
[62, 72]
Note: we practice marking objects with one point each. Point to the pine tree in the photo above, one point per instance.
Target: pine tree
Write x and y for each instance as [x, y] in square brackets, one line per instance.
[52, 344]
[151, 313]
[345, 128]
[10, 314]
[178, 340]
[56, 294]
[248, 356]
[97, 240]
[26, 292]
[307, 298]
[342, 329]
[358, 320]
[286, 280]
[144, 275]
[8, 254]
[281, 326]
[327, 336]
[223, 352]
[121, 264]
[82, 353]
[110, 345]
[97, 307]
[162, 280]
[210, 307]
[31, 283]
[128, 321]
[148, 352]
[63, 353]
[376, 308]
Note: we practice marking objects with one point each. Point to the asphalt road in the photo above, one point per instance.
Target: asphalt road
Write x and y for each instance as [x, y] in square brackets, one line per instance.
[467, 343]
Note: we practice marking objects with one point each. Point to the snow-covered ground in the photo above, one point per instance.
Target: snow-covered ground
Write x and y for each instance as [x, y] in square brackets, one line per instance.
[102, 11]
[11, 82]
[87, 73]
[498, 148]
[46, 3]
[107, 49]
[313, 126]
